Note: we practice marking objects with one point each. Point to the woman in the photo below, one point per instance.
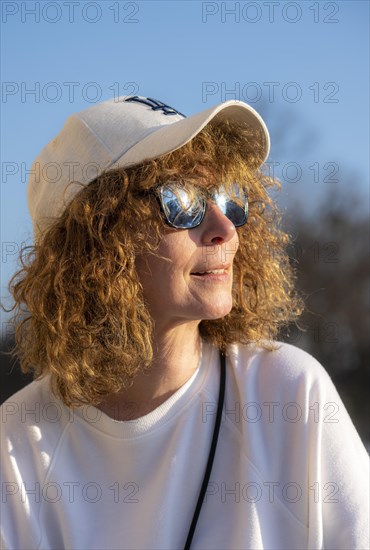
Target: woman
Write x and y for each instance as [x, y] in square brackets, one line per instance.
[158, 271]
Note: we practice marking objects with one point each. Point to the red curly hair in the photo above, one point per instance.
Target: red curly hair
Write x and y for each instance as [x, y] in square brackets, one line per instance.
[87, 324]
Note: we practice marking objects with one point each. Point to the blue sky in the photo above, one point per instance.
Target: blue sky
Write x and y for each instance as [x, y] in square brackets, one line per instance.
[303, 65]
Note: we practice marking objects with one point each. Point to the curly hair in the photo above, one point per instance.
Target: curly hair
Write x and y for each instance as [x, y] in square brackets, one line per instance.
[86, 322]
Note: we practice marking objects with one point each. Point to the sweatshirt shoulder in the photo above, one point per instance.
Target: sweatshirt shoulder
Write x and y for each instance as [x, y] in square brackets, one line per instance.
[28, 404]
[33, 417]
[284, 370]
[288, 360]
[33, 392]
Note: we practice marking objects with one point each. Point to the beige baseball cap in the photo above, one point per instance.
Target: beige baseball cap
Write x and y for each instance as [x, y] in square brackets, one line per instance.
[118, 133]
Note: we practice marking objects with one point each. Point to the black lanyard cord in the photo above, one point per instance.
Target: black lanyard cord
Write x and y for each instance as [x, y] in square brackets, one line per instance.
[212, 452]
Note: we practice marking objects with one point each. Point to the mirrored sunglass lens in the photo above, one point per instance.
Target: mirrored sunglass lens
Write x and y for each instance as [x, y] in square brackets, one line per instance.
[236, 213]
[181, 209]
[234, 205]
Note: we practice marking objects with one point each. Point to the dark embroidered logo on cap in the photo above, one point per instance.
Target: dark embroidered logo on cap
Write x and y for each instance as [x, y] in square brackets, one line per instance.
[155, 105]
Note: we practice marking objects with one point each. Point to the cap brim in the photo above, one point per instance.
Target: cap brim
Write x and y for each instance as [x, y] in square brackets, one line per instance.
[173, 136]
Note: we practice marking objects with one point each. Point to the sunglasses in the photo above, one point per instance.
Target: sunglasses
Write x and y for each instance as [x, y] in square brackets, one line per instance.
[185, 209]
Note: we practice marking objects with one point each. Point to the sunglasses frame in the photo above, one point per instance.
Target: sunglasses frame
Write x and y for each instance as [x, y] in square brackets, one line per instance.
[203, 201]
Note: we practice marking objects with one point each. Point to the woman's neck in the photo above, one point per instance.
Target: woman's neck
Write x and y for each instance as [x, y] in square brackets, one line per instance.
[176, 356]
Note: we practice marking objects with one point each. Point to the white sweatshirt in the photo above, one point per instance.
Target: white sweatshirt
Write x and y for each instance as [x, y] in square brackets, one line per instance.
[290, 471]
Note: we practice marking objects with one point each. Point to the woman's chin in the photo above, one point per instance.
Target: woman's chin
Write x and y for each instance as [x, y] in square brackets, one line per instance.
[217, 310]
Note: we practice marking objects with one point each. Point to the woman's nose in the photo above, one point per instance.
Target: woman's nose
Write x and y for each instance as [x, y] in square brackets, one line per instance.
[216, 227]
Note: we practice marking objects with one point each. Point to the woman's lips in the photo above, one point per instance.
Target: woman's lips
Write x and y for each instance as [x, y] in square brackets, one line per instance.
[219, 274]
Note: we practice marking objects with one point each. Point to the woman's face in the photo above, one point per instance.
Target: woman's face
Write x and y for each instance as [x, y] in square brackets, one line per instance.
[192, 281]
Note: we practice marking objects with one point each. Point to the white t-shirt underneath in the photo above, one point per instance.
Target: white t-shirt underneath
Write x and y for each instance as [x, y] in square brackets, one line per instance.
[290, 471]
